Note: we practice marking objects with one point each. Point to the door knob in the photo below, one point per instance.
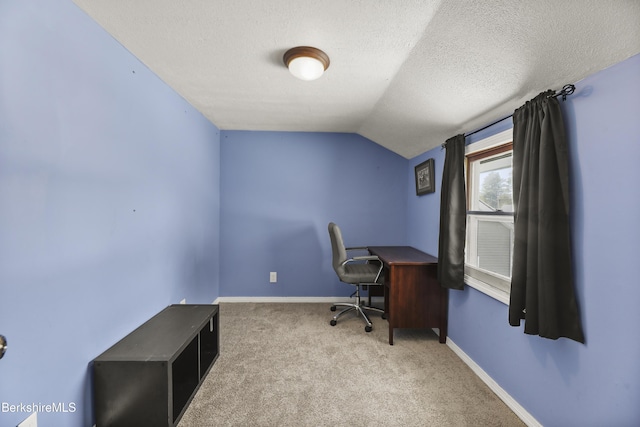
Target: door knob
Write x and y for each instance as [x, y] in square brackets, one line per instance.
[3, 345]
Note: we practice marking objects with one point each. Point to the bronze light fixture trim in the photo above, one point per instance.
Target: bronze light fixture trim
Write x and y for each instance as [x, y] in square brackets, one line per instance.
[306, 62]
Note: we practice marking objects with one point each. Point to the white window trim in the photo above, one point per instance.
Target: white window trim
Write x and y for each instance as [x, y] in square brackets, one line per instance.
[487, 289]
[501, 138]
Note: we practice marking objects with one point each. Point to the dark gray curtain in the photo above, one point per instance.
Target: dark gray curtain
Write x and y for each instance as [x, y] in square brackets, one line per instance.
[542, 289]
[453, 216]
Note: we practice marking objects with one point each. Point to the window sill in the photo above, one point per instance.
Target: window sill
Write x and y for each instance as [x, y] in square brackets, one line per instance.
[487, 289]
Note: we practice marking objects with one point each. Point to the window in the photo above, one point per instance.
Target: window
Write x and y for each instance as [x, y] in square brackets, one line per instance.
[489, 245]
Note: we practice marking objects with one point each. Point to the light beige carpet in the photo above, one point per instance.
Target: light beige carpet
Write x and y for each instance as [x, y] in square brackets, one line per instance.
[284, 365]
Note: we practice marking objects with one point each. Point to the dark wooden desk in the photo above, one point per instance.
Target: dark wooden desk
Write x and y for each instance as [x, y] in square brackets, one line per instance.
[413, 298]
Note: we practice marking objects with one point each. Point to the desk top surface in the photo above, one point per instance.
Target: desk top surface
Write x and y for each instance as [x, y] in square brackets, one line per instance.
[402, 255]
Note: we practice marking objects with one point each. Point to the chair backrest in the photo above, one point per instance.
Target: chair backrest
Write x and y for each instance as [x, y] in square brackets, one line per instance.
[338, 251]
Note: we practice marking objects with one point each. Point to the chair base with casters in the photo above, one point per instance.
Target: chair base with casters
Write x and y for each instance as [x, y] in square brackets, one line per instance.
[359, 308]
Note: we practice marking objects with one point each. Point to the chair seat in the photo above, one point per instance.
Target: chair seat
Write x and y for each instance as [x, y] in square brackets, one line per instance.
[360, 273]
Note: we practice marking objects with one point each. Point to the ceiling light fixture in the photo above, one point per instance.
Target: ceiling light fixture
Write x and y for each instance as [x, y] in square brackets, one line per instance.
[305, 62]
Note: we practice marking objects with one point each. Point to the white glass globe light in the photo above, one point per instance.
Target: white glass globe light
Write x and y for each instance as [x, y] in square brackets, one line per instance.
[306, 68]
[306, 62]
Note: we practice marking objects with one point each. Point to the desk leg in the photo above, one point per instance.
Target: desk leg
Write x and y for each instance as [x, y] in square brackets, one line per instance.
[386, 309]
[444, 315]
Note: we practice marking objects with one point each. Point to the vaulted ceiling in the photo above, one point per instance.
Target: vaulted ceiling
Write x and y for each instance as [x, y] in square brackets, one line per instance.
[407, 74]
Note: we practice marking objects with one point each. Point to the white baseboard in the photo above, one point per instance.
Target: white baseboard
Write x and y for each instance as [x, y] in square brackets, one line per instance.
[289, 299]
[522, 413]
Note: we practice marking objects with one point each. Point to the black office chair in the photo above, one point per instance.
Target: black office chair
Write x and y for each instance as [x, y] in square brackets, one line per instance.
[357, 271]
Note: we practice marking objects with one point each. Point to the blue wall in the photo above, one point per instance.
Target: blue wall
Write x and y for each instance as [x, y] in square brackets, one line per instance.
[563, 383]
[109, 203]
[279, 192]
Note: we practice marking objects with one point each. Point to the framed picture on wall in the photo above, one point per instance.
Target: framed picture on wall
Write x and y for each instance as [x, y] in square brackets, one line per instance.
[425, 178]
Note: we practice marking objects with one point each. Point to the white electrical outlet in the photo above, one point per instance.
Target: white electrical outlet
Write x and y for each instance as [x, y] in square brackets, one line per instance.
[31, 421]
[273, 277]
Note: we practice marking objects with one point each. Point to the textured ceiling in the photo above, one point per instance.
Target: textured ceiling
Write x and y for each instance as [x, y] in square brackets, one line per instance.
[407, 74]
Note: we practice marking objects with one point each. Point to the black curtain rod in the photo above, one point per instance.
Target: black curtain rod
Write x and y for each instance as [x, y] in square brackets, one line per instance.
[564, 92]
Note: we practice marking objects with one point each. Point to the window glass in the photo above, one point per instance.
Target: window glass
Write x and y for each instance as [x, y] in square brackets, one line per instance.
[494, 177]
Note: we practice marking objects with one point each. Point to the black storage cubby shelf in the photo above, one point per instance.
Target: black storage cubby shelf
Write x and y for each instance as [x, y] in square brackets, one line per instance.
[149, 377]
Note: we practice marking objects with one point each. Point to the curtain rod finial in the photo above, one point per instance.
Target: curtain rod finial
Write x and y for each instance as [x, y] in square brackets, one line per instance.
[567, 90]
